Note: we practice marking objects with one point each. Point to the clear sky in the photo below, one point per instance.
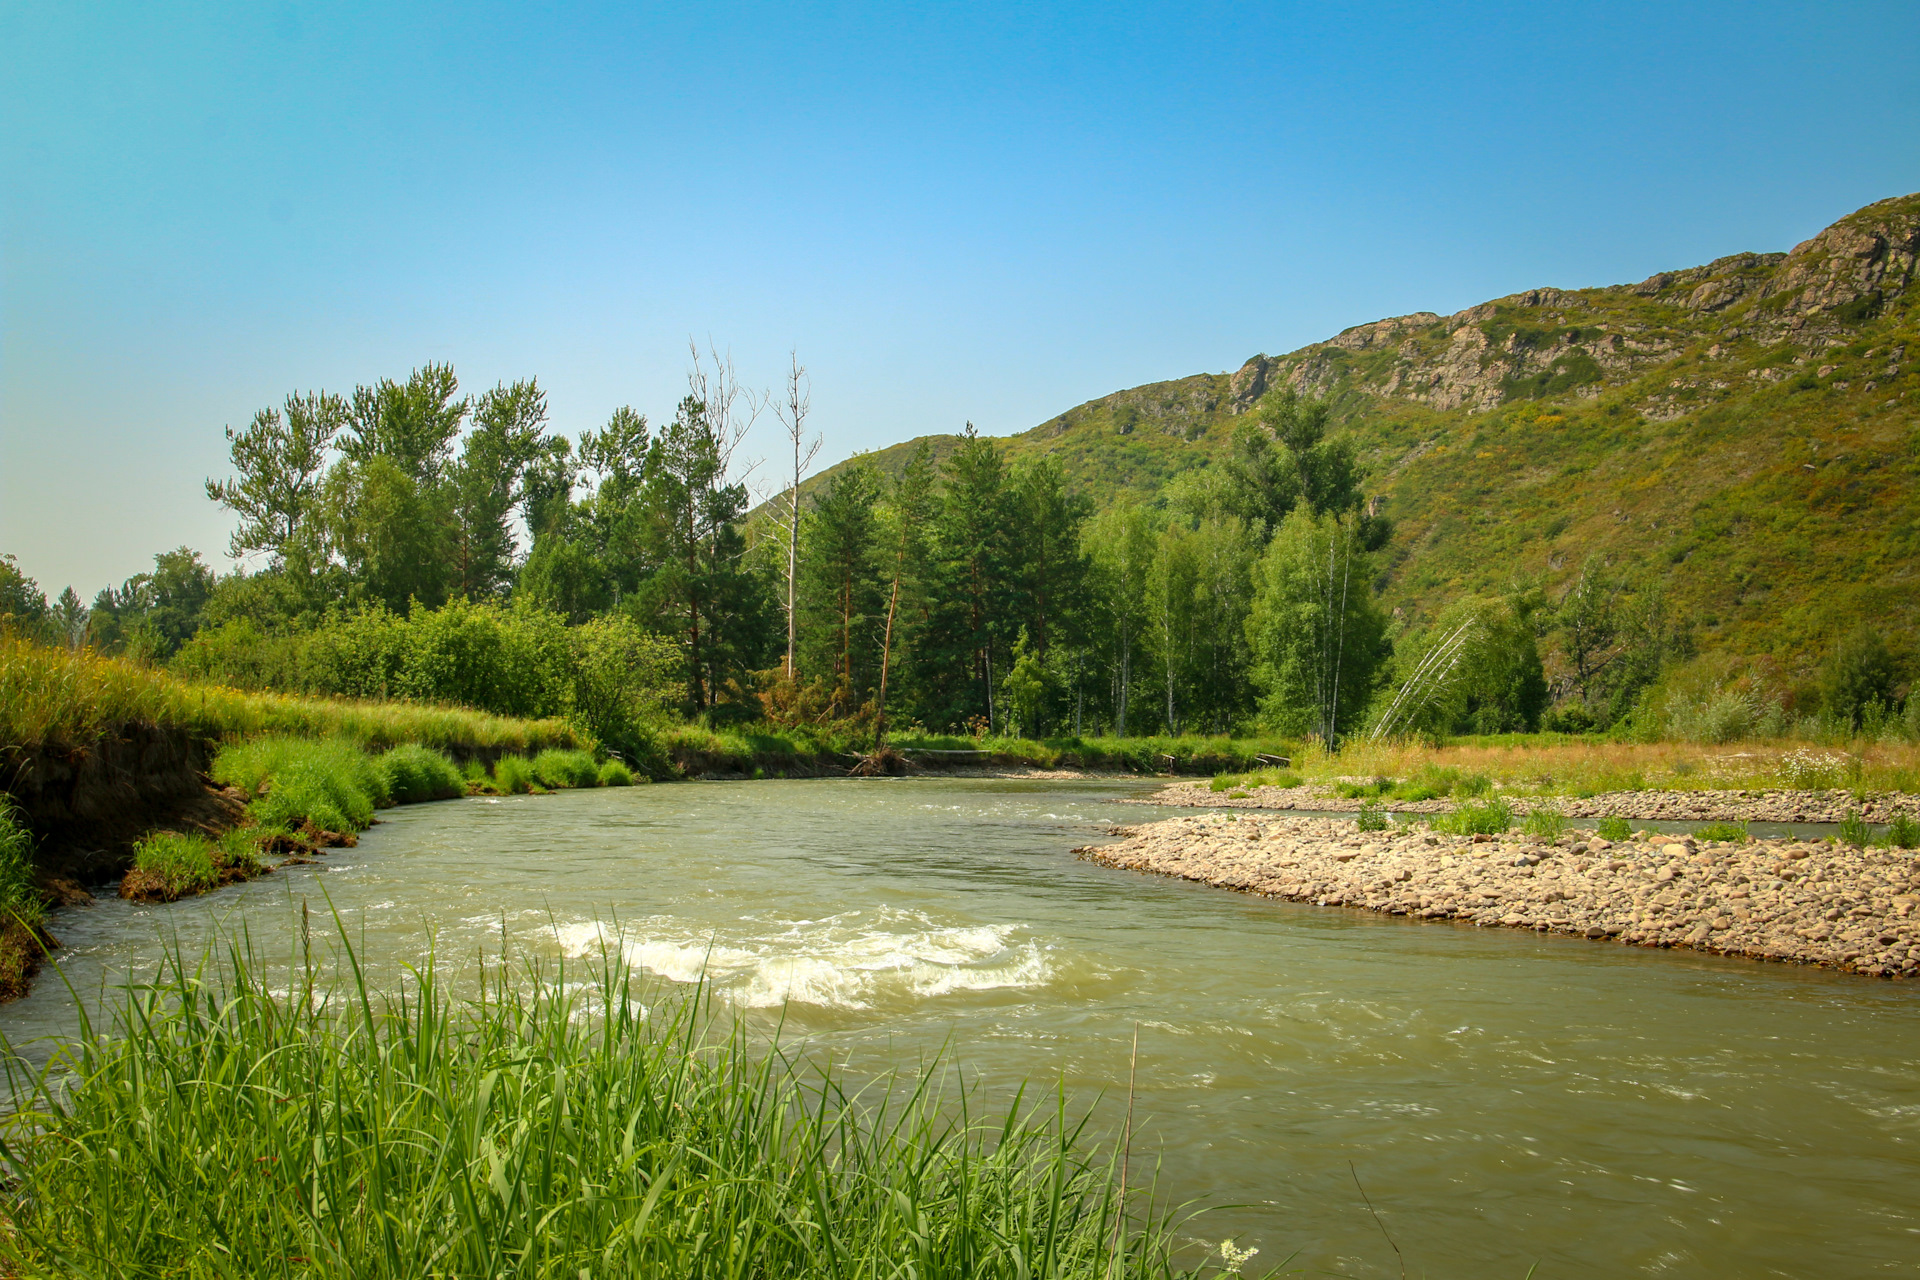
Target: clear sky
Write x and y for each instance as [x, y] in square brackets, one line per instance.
[967, 211]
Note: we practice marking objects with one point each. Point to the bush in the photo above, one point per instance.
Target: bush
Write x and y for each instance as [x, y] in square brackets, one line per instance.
[332, 784]
[557, 769]
[414, 774]
[1724, 832]
[513, 775]
[1615, 828]
[1544, 823]
[615, 774]
[1488, 818]
[1373, 817]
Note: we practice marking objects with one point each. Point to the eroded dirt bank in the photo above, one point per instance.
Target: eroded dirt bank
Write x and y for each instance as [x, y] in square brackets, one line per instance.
[1647, 806]
[1799, 901]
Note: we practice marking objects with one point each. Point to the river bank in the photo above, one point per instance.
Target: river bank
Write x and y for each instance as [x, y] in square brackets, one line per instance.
[1745, 805]
[1788, 900]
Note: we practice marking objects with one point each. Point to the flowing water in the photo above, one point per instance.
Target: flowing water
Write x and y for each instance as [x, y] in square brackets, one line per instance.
[1505, 1098]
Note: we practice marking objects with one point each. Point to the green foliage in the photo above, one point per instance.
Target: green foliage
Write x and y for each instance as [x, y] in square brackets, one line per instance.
[331, 784]
[1319, 637]
[168, 865]
[513, 775]
[1614, 828]
[415, 773]
[19, 899]
[1544, 823]
[1372, 817]
[431, 1134]
[51, 697]
[1860, 676]
[1903, 832]
[1853, 830]
[1724, 832]
[560, 769]
[614, 773]
[1489, 817]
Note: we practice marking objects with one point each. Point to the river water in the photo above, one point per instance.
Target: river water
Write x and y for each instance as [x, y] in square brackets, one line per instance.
[1505, 1098]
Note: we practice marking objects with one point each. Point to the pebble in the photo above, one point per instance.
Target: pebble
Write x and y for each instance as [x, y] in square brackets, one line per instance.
[1802, 901]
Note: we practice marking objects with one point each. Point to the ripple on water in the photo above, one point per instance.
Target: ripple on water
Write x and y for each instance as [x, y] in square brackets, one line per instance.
[886, 957]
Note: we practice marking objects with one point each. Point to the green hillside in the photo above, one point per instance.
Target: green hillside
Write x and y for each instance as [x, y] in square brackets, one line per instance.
[1745, 427]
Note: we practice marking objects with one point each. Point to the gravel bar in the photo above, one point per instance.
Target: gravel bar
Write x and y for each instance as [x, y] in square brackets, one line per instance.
[1798, 901]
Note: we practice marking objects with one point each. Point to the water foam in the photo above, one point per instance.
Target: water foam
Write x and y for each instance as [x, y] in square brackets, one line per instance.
[852, 960]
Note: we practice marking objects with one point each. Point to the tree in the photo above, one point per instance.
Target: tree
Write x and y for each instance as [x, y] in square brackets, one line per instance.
[413, 424]
[701, 583]
[1119, 543]
[68, 618]
[280, 458]
[911, 513]
[153, 614]
[1318, 637]
[971, 536]
[23, 606]
[1281, 459]
[1859, 672]
[508, 437]
[793, 416]
[841, 578]
[1590, 626]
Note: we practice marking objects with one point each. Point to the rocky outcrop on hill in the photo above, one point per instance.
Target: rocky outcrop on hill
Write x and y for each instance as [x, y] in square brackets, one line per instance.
[1798, 901]
[1547, 342]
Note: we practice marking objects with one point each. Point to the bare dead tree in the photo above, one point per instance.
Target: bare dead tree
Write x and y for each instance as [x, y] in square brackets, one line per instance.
[731, 408]
[793, 416]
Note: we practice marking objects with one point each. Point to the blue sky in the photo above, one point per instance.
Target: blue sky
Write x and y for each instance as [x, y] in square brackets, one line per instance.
[952, 212]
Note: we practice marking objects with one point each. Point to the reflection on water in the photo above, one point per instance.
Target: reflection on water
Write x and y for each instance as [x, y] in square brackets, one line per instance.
[1505, 1097]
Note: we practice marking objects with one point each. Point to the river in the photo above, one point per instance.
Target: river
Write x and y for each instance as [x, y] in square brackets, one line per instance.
[1504, 1098]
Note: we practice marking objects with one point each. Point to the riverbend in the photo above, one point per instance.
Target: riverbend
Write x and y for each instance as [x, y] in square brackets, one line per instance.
[1505, 1096]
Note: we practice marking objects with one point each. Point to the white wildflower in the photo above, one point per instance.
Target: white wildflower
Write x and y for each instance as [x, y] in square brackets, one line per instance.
[1234, 1257]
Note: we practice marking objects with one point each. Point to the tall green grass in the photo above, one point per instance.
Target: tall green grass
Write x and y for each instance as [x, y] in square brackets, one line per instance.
[1489, 817]
[19, 901]
[239, 1120]
[415, 774]
[557, 769]
[330, 783]
[168, 865]
[51, 696]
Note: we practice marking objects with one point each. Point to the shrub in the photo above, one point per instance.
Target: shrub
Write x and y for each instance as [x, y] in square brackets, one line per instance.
[1373, 817]
[1903, 832]
[1725, 832]
[615, 774]
[513, 775]
[1613, 827]
[557, 769]
[1545, 823]
[1490, 817]
[1853, 831]
[415, 774]
[332, 784]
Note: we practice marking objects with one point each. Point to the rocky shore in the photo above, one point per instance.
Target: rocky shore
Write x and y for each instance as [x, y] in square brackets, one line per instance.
[1647, 806]
[1807, 902]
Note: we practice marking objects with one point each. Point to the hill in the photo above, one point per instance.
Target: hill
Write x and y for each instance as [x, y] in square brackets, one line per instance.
[1745, 428]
